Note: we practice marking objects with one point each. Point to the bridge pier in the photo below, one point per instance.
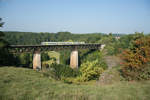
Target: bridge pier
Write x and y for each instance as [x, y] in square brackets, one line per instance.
[37, 60]
[74, 59]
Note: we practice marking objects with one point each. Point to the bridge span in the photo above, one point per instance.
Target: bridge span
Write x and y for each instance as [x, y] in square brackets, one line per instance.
[37, 49]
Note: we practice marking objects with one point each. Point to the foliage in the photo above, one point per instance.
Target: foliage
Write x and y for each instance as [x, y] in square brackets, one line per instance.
[46, 64]
[58, 71]
[44, 56]
[111, 49]
[24, 59]
[137, 60]
[110, 42]
[114, 46]
[5, 57]
[65, 57]
[94, 56]
[90, 71]
[30, 38]
[107, 39]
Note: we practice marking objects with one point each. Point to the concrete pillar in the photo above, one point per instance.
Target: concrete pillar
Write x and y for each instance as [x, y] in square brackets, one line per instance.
[74, 59]
[58, 61]
[37, 60]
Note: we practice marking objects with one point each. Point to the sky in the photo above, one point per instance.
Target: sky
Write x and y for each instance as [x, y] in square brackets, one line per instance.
[76, 16]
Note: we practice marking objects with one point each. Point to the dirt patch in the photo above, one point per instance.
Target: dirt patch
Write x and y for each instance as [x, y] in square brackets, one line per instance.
[112, 61]
[112, 74]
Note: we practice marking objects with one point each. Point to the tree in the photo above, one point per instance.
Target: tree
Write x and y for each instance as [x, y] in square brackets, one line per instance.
[45, 56]
[3, 44]
[2, 41]
[136, 64]
[24, 59]
[5, 57]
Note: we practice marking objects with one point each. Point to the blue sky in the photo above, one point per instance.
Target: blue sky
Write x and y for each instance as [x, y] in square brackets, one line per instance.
[76, 16]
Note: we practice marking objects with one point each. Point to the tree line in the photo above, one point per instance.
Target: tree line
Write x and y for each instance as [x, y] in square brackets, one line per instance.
[29, 38]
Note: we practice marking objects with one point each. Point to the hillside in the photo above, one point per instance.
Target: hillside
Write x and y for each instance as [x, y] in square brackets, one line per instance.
[27, 84]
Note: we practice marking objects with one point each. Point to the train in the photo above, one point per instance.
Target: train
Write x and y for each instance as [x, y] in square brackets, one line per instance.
[61, 43]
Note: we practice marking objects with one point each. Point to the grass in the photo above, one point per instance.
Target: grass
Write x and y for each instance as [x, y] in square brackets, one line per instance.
[27, 84]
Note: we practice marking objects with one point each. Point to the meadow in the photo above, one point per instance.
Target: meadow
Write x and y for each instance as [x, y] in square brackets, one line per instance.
[27, 84]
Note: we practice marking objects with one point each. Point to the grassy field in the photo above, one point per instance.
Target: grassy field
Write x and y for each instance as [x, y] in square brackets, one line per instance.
[27, 84]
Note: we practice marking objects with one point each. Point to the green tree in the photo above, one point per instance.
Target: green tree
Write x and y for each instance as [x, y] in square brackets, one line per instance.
[24, 59]
[2, 45]
[2, 41]
[45, 56]
[5, 57]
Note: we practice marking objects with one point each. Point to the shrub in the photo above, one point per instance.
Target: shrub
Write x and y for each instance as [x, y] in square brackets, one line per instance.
[137, 58]
[95, 55]
[46, 64]
[58, 71]
[110, 50]
[90, 71]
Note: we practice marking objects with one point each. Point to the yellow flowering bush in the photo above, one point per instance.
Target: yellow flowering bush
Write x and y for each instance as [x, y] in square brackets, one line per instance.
[90, 71]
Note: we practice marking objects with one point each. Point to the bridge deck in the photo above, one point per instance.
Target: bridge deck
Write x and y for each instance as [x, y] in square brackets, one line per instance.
[88, 44]
[32, 48]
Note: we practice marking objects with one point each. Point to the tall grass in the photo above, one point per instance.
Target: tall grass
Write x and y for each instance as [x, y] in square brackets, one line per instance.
[27, 84]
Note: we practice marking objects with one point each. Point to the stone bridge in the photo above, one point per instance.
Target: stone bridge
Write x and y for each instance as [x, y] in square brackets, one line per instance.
[37, 49]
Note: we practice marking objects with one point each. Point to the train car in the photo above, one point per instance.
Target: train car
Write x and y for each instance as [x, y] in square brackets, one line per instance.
[61, 43]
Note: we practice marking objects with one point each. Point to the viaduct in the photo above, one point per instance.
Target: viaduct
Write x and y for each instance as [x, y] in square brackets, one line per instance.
[37, 49]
